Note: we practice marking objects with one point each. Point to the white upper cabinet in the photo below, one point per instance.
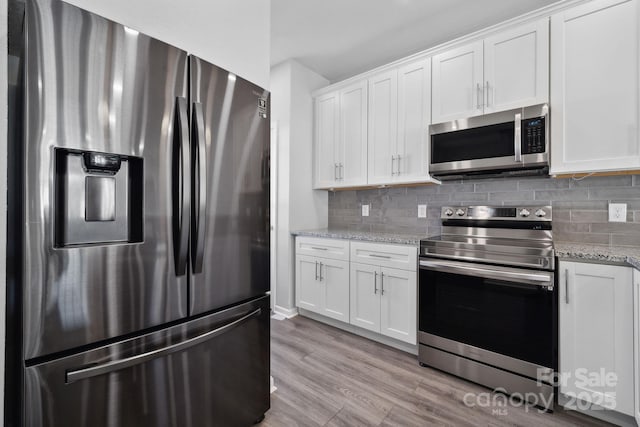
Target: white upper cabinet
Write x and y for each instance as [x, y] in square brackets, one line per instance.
[341, 137]
[504, 71]
[516, 67]
[383, 127]
[399, 113]
[595, 82]
[327, 108]
[352, 167]
[414, 118]
[457, 83]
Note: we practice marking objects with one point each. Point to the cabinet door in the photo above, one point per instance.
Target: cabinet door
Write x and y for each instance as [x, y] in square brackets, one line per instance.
[352, 163]
[636, 341]
[595, 55]
[516, 67]
[326, 140]
[457, 83]
[596, 334]
[365, 296]
[383, 127]
[309, 291]
[334, 276]
[398, 304]
[414, 117]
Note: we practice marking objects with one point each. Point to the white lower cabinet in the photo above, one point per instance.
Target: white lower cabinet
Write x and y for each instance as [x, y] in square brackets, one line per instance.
[596, 336]
[376, 291]
[322, 286]
[383, 300]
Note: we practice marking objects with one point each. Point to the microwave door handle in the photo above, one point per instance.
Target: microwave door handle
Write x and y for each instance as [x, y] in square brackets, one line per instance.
[517, 137]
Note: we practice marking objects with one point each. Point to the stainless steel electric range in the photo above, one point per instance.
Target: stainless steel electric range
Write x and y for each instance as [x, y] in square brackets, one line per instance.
[488, 299]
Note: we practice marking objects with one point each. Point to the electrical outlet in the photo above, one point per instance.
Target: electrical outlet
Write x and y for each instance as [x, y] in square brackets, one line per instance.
[617, 212]
[422, 211]
[365, 210]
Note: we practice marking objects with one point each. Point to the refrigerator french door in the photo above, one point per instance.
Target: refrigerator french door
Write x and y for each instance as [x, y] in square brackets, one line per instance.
[139, 177]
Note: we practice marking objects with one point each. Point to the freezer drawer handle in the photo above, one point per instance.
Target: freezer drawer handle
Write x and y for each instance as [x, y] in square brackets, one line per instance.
[116, 365]
[199, 188]
[181, 192]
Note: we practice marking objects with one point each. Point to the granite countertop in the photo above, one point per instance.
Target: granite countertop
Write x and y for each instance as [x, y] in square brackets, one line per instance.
[564, 250]
[599, 253]
[367, 236]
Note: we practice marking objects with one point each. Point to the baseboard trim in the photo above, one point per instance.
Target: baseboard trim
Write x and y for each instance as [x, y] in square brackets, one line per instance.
[286, 312]
[407, 348]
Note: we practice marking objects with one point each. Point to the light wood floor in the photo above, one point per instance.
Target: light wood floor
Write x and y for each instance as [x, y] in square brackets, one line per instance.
[327, 377]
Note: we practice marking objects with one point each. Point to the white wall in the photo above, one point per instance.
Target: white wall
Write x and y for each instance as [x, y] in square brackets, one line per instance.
[235, 35]
[298, 207]
[3, 189]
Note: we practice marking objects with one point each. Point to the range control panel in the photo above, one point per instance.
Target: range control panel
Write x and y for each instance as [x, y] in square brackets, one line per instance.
[533, 136]
[515, 213]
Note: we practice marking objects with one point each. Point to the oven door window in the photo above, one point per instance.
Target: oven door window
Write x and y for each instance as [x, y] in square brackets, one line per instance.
[505, 317]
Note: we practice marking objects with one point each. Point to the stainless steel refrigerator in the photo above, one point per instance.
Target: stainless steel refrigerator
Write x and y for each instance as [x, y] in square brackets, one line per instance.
[138, 229]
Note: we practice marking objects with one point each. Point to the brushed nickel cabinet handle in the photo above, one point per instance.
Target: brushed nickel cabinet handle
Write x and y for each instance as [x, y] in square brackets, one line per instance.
[375, 282]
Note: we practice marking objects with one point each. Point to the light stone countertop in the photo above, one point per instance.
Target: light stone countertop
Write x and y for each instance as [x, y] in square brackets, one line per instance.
[366, 236]
[564, 250]
[598, 253]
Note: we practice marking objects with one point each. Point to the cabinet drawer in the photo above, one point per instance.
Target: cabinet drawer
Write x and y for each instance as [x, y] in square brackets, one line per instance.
[393, 256]
[325, 248]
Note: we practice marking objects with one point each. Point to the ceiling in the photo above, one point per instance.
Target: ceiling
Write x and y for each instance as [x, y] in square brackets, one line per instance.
[342, 38]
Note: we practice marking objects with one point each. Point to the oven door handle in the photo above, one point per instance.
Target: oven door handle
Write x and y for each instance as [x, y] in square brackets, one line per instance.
[537, 278]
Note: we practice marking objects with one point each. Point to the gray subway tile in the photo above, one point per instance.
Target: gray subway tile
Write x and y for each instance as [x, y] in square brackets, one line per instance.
[601, 181]
[542, 184]
[579, 204]
[512, 196]
[456, 188]
[562, 215]
[578, 194]
[469, 197]
[598, 239]
[616, 228]
[498, 185]
[636, 180]
[570, 227]
[625, 240]
[588, 216]
[614, 193]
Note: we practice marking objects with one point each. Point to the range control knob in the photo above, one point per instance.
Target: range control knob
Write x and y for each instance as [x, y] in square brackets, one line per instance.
[460, 212]
[541, 213]
[525, 213]
[448, 212]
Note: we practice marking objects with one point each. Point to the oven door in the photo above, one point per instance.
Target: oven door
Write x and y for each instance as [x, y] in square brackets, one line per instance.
[497, 315]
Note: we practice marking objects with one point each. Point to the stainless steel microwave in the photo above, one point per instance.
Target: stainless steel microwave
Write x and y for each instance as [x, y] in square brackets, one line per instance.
[508, 142]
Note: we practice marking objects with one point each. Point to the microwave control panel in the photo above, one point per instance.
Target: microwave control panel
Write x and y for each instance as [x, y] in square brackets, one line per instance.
[533, 136]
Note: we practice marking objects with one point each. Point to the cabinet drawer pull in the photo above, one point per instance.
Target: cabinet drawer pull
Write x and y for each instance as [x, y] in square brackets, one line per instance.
[375, 282]
[380, 256]
[321, 272]
[319, 249]
[566, 286]
[316, 270]
[381, 283]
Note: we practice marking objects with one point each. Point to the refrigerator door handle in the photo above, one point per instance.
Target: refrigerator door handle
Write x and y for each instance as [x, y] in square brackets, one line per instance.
[181, 192]
[199, 188]
[116, 365]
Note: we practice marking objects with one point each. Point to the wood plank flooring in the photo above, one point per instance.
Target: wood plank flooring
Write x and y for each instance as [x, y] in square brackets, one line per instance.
[328, 377]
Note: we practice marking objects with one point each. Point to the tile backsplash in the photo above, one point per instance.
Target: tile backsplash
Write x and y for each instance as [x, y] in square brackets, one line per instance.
[580, 206]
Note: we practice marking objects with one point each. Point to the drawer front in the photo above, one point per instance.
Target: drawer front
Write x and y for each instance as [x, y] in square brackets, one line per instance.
[324, 248]
[404, 257]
